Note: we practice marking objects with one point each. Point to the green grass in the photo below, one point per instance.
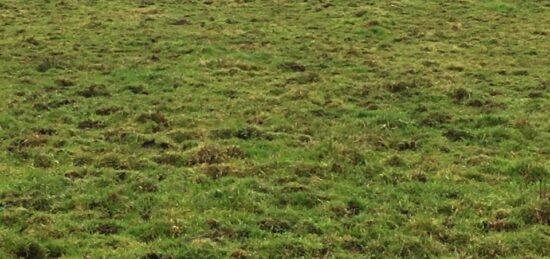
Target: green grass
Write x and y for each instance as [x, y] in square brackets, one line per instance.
[274, 129]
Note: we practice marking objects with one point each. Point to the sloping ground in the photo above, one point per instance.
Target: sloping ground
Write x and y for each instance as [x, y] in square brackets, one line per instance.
[193, 129]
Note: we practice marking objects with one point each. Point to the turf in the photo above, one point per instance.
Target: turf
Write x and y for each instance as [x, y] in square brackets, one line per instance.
[274, 129]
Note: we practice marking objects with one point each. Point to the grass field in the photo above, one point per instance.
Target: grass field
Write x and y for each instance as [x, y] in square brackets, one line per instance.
[274, 129]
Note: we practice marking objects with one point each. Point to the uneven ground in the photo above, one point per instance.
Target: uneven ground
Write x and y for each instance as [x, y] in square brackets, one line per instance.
[193, 129]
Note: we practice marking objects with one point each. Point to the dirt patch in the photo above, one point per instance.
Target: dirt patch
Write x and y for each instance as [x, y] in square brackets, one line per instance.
[354, 246]
[107, 229]
[158, 118]
[212, 154]
[113, 161]
[461, 94]
[207, 154]
[107, 111]
[73, 175]
[49, 63]
[218, 171]
[95, 91]
[32, 41]
[306, 78]
[172, 159]
[137, 89]
[294, 187]
[52, 105]
[30, 141]
[146, 186]
[395, 160]
[354, 208]
[308, 169]
[155, 256]
[456, 68]
[235, 152]
[275, 225]
[43, 161]
[154, 144]
[406, 145]
[45, 131]
[218, 231]
[536, 94]
[435, 119]
[397, 87]
[243, 133]
[499, 225]
[31, 251]
[91, 124]
[420, 177]
[239, 254]
[293, 66]
[182, 136]
[180, 22]
[538, 213]
[520, 73]
[64, 83]
[457, 135]
[57, 104]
